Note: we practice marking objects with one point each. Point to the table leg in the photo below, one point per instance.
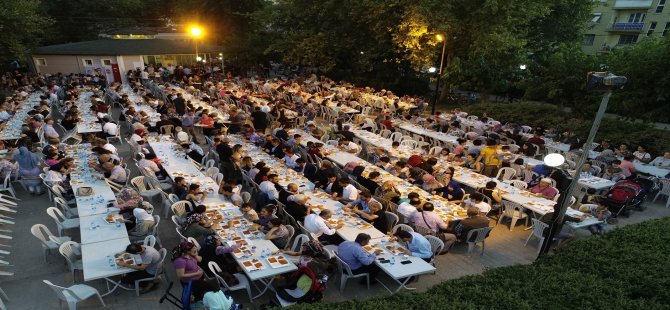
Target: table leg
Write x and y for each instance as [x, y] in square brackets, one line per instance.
[116, 285]
[402, 285]
[268, 285]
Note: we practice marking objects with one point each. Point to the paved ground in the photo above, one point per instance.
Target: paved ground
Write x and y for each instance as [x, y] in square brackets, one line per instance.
[27, 291]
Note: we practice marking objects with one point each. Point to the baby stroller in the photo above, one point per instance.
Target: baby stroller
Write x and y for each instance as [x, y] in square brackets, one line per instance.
[290, 294]
[626, 195]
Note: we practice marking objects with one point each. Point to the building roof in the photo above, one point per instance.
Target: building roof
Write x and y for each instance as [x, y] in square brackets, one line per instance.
[109, 47]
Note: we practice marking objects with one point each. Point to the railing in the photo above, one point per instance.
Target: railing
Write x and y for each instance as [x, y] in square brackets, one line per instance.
[627, 27]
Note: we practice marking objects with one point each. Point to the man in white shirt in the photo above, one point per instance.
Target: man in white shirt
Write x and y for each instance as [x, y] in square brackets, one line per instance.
[348, 146]
[408, 209]
[108, 146]
[116, 173]
[290, 158]
[317, 226]
[349, 192]
[110, 129]
[269, 187]
[477, 200]
[144, 222]
[49, 131]
[662, 161]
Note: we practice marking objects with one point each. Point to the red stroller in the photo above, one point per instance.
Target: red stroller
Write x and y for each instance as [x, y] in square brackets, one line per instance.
[624, 196]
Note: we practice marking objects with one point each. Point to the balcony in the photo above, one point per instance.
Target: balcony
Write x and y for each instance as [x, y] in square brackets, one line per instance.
[632, 4]
[626, 27]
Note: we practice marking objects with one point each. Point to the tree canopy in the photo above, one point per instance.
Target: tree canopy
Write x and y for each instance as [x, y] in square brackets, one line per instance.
[21, 28]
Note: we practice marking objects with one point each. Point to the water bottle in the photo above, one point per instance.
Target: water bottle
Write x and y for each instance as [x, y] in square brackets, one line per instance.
[92, 226]
[112, 264]
[392, 260]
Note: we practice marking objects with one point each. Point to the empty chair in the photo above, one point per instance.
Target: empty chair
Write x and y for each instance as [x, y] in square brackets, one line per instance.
[74, 294]
[149, 241]
[67, 211]
[514, 212]
[538, 232]
[506, 173]
[62, 222]
[665, 191]
[69, 250]
[396, 137]
[147, 193]
[477, 236]
[519, 184]
[7, 185]
[297, 243]
[346, 274]
[179, 208]
[48, 240]
[435, 151]
[211, 172]
[392, 219]
[242, 285]
[436, 246]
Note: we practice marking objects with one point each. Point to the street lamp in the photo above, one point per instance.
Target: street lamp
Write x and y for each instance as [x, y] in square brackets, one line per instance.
[554, 160]
[196, 32]
[443, 39]
[432, 69]
[522, 67]
[595, 81]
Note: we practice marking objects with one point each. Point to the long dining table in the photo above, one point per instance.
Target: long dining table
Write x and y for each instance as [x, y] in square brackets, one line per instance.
[352, 225]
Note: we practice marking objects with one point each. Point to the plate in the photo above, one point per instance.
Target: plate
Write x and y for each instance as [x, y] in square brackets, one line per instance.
[277, 261]
[252, 265]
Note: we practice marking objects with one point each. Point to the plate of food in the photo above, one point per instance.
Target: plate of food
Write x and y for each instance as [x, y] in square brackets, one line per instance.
[241, 252]
[124, 258]
[252, 265]
[395, 250]
[277, 261]
[113, 218]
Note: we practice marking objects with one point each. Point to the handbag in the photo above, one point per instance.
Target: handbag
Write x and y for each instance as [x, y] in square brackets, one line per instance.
[85, 191]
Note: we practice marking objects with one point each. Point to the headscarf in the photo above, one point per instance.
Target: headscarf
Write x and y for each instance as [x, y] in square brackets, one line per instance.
[457, 193]
[181, 249]
[26, 159]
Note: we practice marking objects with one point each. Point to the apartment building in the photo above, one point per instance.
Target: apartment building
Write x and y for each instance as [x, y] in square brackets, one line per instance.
[620, 23]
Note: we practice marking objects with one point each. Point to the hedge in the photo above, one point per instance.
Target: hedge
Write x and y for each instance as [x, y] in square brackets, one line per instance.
[626, 269]
[656, 141]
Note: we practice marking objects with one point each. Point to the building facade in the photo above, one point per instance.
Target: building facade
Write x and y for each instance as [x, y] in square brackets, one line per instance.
[620, 23]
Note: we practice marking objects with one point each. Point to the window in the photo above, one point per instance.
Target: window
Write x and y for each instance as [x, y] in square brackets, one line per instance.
[88, 62]
[661, 5]
[627, 39]
[667, 27]
[596, 17]
[106, 62]
[41, 61]
[636, 17]
[588, 39]
[651, 29]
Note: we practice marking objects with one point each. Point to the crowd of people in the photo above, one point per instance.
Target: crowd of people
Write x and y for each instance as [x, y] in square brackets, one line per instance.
[262, 112]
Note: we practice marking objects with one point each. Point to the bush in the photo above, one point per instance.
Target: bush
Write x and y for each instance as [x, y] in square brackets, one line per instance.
[656, 141]
[625, 269]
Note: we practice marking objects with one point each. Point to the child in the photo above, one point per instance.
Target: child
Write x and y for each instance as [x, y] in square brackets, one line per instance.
[600, 212]
[590, 197]
[248, 212]
[614, 173]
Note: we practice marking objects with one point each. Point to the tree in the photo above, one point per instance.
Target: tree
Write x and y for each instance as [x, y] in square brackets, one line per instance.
[647, 92]
[80, 20]
[21, 27]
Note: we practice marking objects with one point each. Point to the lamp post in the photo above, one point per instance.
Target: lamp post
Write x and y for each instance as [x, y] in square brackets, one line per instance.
[443, 39]
[602, 81]
[196, 33]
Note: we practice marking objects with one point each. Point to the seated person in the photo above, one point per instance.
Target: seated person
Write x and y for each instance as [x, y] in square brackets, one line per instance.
[602, 213]
[227, 192]
[477, 200]
[316, 224]
[267, 213]
[197, 224]
[296, 206]
[278, 233]
[417, 245]
[452, 192]
[370, 182]
[427, 219]
[460, 231]
[408, 208]
[492, 192]
[349, 192]
[374, 215]
[146, 268]
[248, 212]
[544, 189]
[365, 198]
[359, 261]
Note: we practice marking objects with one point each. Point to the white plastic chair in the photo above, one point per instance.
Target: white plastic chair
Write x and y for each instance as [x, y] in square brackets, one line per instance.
[69, 250]
[243, 282]
[538, 232]
[149, 241]
[346, 274]
[246, 197]
[436, 245]
[74, 294]
[664, 191]
[297, 243]
[519, 184]
[435, 151]
[409, 144]
[218, 178]
[68, 212]
[396, 137]
[158, 275]
[7, 185]
[404, 227]
[482, 233]
[210, 172]
[62, 222]
[385, 133]
[505, 173]
[139, 183]
[513, 211]
[179, 208]
[48, 240]
[391, 218]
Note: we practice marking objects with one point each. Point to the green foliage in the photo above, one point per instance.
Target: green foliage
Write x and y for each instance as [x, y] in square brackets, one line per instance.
[21, 27]
[546, 115]
[647, 93]
[622, 270]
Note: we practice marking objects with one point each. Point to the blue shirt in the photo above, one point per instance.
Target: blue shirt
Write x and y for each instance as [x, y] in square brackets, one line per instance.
[353, 254]
[364, 204]
[419, 246]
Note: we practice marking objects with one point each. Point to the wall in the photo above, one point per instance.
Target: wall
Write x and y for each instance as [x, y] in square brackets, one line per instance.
[69, 63]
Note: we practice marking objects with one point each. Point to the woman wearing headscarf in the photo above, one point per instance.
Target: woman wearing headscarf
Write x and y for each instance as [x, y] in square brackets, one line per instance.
[430, 184]
[58, 175]
[29, 170]
[213, 250]
[197, 224]
[185, 260]
[452, 192]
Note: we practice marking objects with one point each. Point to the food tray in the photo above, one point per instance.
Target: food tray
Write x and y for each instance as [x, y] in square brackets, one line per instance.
[241, 251]
[252, 265]
[278, 261]
[124, 258]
